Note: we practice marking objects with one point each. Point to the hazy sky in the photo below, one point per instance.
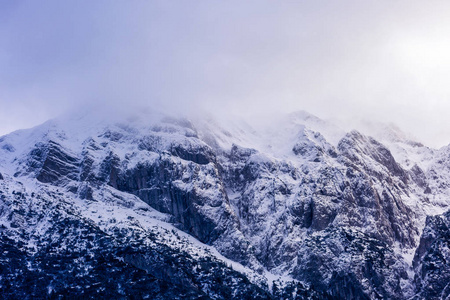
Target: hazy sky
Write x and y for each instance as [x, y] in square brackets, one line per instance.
[384, 60]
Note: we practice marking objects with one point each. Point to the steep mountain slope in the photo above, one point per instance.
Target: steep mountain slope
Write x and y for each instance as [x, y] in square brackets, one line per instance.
[156, 206]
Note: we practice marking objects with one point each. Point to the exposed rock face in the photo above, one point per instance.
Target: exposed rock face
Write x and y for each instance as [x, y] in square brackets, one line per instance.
[377, 185]
[432, 259]
[350, 265]
[50, 249]
[337, 220]
[360, 150]
[53, 163]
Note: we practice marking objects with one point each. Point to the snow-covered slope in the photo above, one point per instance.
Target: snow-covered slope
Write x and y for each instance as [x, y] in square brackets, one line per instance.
[291, 207]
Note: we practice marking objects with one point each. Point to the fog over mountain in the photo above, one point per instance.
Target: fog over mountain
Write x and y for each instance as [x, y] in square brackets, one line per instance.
[115, 203]
[348, 60]
[224, 149]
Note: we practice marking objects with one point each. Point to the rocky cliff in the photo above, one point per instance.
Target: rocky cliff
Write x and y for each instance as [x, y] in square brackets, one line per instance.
[163, 208]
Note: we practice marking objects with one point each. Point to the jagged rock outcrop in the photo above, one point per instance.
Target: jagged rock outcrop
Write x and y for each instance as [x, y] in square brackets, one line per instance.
[351, 265]
[377, 185]
[53, 163]
[432, 259]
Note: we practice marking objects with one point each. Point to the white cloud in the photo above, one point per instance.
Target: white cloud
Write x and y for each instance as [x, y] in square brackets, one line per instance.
[346, 59]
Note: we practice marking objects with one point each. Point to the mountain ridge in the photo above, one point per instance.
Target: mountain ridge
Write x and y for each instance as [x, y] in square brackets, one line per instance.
[336, 220]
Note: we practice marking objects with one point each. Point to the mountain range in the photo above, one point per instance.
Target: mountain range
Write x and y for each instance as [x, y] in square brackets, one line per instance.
[155, 206]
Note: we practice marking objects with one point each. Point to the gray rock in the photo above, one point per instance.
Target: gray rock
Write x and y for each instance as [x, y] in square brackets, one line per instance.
[432, 259]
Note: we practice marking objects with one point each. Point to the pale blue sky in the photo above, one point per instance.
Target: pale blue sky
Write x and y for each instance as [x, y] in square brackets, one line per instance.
[386, 60]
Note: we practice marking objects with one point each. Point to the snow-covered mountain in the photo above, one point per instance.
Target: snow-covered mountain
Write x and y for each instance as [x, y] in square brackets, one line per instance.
[162, 207]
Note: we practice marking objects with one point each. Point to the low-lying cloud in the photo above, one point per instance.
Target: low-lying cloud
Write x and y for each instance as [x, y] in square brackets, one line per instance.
[386, 61]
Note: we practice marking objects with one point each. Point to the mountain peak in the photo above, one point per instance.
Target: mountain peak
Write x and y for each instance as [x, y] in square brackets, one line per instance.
[273, 202]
